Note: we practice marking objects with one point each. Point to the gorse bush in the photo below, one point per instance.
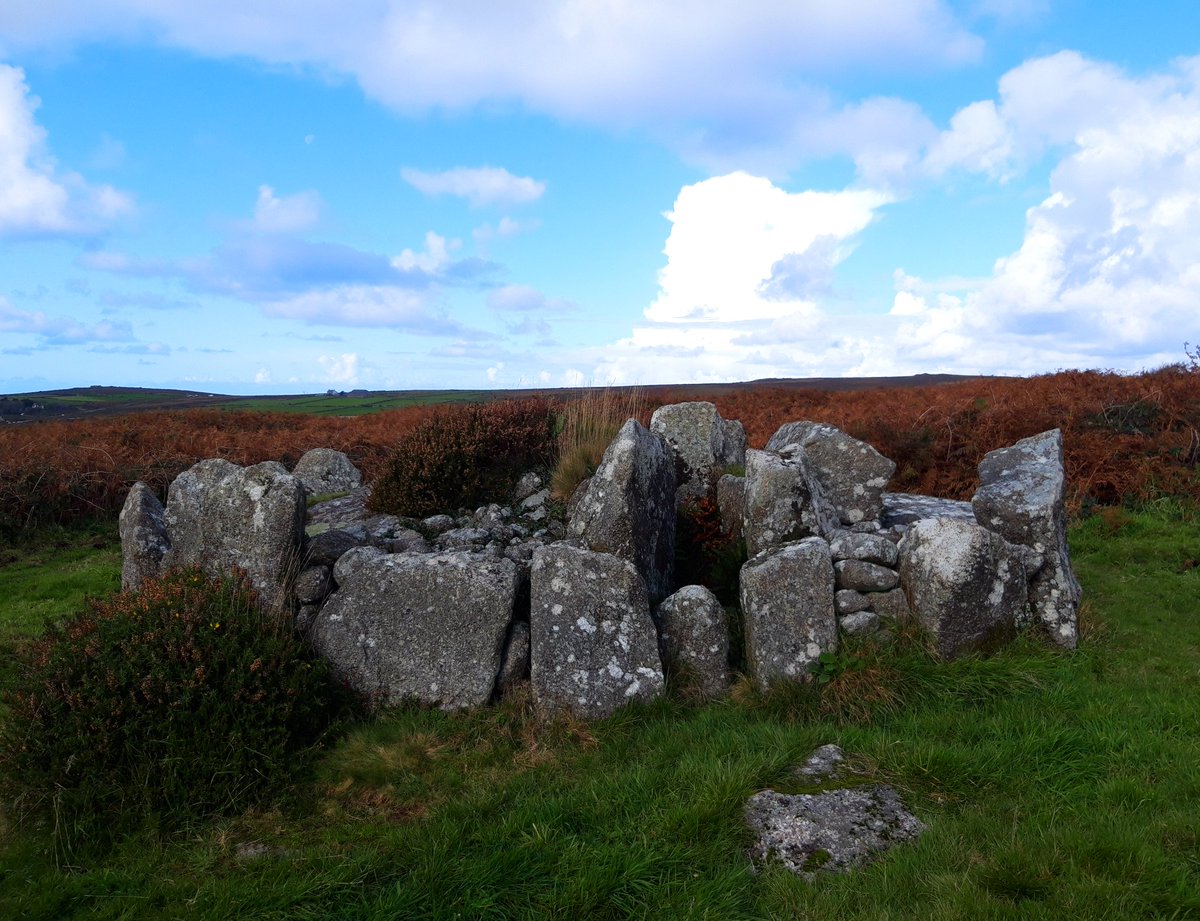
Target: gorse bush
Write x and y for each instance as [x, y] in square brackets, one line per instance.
[466, 455]
[177, 702]
[587, 425]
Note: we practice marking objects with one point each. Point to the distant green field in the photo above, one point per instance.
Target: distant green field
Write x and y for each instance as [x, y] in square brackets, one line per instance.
[323, 405]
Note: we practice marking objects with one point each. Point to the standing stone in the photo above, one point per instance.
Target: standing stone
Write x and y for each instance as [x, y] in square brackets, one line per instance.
[324, 471]
[733, 443]
[965, 584]
[694, 633]
[1021, 498]
[220, 516]
[144, 540]
[629, 507]
[594, 645]
[853, 473]
[693, 435]
[731, 503]
[788, 608]
[784, 502]
[424, 627]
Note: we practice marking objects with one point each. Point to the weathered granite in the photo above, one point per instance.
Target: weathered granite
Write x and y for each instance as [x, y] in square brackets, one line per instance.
[694, 634]
[324, 471]
[144, 540]
[784, 502]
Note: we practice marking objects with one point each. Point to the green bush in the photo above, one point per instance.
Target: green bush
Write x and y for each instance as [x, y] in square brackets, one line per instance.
[464, 456]
[177, 702]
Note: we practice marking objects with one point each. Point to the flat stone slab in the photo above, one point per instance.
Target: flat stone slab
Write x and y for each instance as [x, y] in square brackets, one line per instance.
[830, 832]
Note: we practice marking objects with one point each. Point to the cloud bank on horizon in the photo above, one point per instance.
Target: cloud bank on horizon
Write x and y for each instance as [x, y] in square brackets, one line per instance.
[263, 196]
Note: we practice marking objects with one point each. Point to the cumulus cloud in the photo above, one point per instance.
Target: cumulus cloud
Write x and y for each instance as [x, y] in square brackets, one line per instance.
[485, 185]
[369, 305]
[340, 369]
[35, 196]
[289, 214]
[743, 249]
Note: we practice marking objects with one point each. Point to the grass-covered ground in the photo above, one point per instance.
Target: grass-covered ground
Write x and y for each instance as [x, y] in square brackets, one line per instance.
[1054, 786]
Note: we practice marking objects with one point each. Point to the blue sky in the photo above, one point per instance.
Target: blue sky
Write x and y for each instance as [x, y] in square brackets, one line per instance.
[261, 196]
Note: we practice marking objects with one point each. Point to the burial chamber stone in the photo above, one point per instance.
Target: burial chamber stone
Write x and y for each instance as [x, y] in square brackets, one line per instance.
[787, 599]
[702, 444]
[324, 471]
[853, 474]
[629, 507]
[429, 627]
[221, 517]
[144, 540]
[694, 634]
[1022, 498]
[594, 647]
[783, 501]
[965, 585]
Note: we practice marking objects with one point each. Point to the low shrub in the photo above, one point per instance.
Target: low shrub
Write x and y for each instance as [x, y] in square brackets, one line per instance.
[177, 702]
[587, 425]
[465, 455]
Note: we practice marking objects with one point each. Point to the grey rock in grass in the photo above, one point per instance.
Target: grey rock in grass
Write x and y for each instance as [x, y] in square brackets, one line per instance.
[694, 634]
[514, 664]
[1022, 497]
[324, 471]
[966, 585]
[784, 502]
[527, 485]
[594, 644]
[788, 610]
[869, 548]
[426, 627]
[831, 832]
[220, 516]
[892, 605]
[629, 507]
[848, 601]
[825, 763]
[853, 474]
[731, 503]
[144, 540]
[861, 576]
[701, 443]
[861, 623]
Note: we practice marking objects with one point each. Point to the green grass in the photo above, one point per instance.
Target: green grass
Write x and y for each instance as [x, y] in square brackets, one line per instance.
[1053, 786]
[323, 405]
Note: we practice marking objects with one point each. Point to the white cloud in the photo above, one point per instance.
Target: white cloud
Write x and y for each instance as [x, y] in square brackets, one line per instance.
[341, 369]
[434, 257]
[525, 299]
[262, 376]
[35, 197]
[364, 305]
[60, 330]
[290, 214]
[729, 76]
[485, 185]
[739, 245]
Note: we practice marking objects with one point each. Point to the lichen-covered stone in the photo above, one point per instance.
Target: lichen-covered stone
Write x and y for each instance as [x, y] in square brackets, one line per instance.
[893, 605]
[860, 623]
[429, 627]
[694, 634]
[853, 474]
[784, 502]
[629, 507]
[144, 540]
[870, 548]
[700, 442]
[862, 576]
[901, 509]
[350, 562]
[849, 601]
[787, 600]
[324, 471]
[965, 584]
[1022, 498]
[327, 547]
[594, 644]
[830, 832]
[220, 516]
[731, 503]
[312, 585]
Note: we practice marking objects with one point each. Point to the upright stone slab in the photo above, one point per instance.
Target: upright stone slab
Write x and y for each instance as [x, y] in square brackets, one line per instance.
[629, 507]
[731, 503]
[1022, 498]
[694, 634]
[788, 609]
[324, 471]
[700, 441]
[144, 540]
[220, 516]
[783, 501]
[594, 647]
[965, 584]
[852, 472]
[416, 626]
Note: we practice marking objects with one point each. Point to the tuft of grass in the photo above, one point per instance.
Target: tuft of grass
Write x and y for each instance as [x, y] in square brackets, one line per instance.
[588, 425]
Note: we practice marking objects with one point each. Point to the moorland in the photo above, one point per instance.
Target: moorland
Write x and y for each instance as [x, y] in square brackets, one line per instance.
[1053, 784]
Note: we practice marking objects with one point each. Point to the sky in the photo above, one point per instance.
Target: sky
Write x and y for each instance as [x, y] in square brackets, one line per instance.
[292, 196]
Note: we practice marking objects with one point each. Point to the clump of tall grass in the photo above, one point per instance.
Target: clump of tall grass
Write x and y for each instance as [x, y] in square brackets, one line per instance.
[587, 425]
